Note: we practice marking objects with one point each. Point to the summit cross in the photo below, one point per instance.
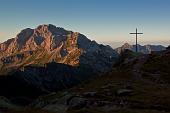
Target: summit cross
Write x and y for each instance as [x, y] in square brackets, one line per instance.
[136, 38]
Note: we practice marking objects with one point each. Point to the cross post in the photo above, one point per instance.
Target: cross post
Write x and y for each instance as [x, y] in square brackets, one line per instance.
[136, 38]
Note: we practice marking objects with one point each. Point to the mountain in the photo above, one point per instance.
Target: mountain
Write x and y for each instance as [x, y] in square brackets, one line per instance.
[49, 58]
[48, 43]
[146, 49]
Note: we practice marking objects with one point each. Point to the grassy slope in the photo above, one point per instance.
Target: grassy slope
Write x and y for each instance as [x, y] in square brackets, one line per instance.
[160, 65]
[147, 97]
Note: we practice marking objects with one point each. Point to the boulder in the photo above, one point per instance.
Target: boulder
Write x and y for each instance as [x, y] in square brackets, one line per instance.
[77, 103]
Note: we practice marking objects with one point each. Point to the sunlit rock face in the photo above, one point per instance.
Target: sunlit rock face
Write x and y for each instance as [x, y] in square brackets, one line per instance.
[48, 43]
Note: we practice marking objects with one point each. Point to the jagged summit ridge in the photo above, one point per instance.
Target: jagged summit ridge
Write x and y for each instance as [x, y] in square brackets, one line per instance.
[48, 43]
[43, 36]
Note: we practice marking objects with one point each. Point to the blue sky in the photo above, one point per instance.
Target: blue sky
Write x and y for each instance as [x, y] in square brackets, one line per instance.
[100, 20]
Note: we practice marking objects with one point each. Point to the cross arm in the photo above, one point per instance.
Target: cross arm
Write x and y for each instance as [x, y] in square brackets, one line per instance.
[136, 33]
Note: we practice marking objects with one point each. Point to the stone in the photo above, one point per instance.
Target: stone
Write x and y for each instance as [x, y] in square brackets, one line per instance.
[89, 94]
[77, 103]
[124, 92]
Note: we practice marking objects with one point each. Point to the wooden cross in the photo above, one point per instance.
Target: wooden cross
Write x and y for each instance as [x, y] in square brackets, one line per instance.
[136, 38]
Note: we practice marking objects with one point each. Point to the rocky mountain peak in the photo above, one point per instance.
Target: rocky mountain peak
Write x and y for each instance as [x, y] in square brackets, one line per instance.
[126, 45]
[51, 28]
[48, 43]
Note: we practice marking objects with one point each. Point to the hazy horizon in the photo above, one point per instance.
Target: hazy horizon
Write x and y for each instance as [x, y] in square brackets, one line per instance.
[119, 44]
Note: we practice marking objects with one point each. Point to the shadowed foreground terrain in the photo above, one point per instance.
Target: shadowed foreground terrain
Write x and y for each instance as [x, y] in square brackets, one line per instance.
[137, 84]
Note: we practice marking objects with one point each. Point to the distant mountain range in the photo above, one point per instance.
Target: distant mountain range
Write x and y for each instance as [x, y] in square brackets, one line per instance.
[146, 49]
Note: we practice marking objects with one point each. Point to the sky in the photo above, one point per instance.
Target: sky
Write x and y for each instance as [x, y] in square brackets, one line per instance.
[100, 20]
